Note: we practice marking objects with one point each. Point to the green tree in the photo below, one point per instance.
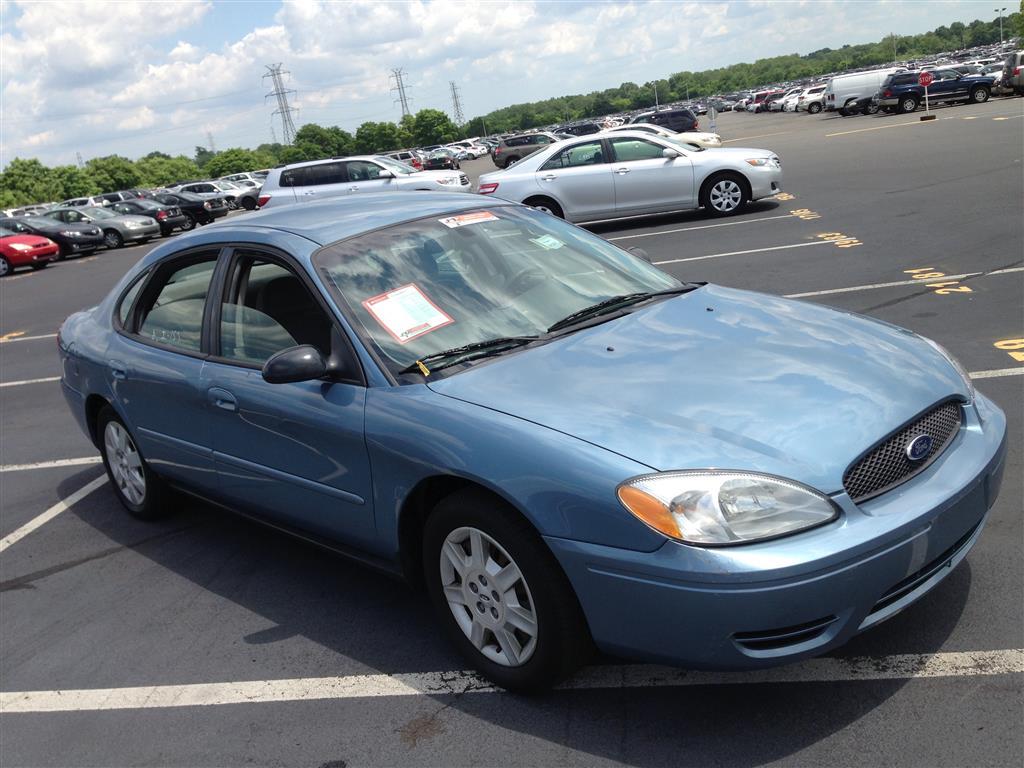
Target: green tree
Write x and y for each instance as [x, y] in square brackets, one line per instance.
[432, 126]
[293, 155]
[28, 181]
[113, 172]
[234, 160]
[157, 169]
[203, 156]
[74, 182]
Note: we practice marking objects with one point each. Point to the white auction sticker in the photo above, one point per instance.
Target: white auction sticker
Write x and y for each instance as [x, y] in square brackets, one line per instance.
[468, 218]
[406, 313]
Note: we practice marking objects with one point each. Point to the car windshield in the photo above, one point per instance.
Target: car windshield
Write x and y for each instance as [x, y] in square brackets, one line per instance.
[680, 142]
[442, 282]
[98, 213]
[396, 167]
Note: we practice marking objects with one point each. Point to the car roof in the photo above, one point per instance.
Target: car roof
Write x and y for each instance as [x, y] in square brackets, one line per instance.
[343, 217]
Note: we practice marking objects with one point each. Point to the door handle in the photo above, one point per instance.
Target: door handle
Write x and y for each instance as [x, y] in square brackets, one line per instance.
[353, 189]
[221, 398]
[621, 171]
[549, 177]
[309, 193]
[118, 370]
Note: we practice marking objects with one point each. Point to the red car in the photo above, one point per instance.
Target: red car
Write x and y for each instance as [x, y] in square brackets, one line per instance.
[24, 251]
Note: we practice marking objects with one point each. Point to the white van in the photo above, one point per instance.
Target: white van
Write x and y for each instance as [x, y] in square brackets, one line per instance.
[850, 94]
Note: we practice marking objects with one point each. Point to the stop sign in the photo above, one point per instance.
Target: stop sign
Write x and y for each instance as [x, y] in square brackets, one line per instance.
[925, 78]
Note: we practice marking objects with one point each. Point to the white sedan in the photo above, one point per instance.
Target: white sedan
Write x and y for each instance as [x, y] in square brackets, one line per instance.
[630, 173]
[697, 138]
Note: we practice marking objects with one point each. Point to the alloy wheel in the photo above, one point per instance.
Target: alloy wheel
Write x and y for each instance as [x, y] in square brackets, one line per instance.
[125, 463]
[725, 195]
[489, 597]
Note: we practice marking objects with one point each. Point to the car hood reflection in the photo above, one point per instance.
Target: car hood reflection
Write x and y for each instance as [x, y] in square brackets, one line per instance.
[722, 378]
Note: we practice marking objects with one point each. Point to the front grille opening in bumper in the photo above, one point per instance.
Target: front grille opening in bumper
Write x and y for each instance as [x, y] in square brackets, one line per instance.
[886, 465]
[913, 581]
[783, 637]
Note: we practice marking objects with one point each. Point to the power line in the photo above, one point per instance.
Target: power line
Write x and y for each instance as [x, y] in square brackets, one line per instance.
[456, 104]
[284, 109]
[397, 74]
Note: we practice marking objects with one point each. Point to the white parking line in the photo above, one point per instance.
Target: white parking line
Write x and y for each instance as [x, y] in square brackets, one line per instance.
[27, 338]
[997, 373]
[48, 515]
[703, 226]
[29, 381]
[891, 125]
[456, 682]
[743, 253]
[897, 283]
[757, 136]
[85, 460]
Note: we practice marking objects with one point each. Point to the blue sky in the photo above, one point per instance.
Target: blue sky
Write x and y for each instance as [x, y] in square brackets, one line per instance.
[101, 77]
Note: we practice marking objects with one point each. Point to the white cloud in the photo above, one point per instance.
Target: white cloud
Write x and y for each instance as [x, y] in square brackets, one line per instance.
[130, 77]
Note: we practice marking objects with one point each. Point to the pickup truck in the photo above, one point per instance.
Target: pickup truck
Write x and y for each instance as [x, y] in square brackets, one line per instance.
[901, 92]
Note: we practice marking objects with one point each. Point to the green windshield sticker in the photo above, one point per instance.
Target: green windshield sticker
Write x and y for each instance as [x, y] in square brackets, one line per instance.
[547, 242]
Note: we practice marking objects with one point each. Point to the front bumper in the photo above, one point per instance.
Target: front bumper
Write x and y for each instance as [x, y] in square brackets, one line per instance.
[764, 182]
[780, 601]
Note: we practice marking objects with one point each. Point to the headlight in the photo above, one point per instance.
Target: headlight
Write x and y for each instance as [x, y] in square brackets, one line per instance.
[20, 247]
[770, 162]
[71, 233]
[447, 181]
[133, 224]
[715, 507]
[955, 363]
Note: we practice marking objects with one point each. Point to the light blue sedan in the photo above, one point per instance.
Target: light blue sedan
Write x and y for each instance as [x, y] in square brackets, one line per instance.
[568, 447]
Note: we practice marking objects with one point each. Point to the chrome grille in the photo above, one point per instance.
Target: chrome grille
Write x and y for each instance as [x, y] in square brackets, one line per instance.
[463, 179]
[886, 465]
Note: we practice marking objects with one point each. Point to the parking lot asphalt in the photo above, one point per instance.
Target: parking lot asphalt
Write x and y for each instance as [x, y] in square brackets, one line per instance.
[207, 640]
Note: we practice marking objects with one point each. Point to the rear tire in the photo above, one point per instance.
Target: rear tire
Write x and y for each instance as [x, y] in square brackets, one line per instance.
[500, 594]
[724, 194]
[510, 160]
[547, 205]
[136, 486]
[906, 104]
[814, 109]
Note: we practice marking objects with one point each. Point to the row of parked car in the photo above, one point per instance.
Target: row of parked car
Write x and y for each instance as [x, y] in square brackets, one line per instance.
[36, 235]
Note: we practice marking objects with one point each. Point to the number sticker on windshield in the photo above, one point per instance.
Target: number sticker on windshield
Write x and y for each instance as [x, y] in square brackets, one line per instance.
[406, 313]
[547, 242]
[452, 222]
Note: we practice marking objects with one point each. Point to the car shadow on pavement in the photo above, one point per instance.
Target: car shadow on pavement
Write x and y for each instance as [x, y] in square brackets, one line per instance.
[680, 218]
[386, 626]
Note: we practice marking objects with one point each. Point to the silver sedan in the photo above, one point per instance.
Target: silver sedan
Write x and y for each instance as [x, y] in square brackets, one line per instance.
[629, 173]
[118, 228]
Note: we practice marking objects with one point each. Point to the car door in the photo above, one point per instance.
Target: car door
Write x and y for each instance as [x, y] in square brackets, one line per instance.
[646, 181]
[321, 181]
[579, 178]
[155, 363]
[294, 453]
[366, 176]
[947, 84]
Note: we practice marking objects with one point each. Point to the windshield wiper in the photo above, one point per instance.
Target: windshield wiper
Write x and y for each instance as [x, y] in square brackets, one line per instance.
[616, 302]
[466, 352]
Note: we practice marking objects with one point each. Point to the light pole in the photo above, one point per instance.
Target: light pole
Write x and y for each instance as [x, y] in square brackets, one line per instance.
[894, 38]
[1000, 11]
[655, 95]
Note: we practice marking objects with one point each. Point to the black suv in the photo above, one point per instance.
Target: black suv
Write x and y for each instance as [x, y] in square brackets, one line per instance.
[902, 92]
[679, 119]
[516, 148]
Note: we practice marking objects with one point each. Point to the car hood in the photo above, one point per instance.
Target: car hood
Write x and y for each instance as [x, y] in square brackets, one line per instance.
[723, 378]
[439, 174]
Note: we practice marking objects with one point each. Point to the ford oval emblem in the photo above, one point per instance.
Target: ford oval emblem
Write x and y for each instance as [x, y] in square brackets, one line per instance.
[919, 447]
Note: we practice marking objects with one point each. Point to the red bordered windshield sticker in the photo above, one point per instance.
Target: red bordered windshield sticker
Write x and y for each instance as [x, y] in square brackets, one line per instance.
[452, 222]
[406, 313]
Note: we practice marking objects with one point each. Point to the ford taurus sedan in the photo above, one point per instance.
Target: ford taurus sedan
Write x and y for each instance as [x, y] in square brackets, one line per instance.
[630, 173]
[564, 444]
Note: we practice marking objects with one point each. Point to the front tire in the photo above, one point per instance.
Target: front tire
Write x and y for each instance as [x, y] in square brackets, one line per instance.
[112, 239]
[40, 265]
[248, 203]
[137, 487]
[500, 594]
[980, 95]
[5, 267]
[724, 194]
[189, 224]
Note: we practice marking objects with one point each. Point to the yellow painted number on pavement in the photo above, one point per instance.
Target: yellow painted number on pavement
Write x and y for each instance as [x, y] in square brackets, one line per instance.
[806, 215]
[11, 335]
[840, 240]
[784, 196]
[1012, 347]
[941, 288]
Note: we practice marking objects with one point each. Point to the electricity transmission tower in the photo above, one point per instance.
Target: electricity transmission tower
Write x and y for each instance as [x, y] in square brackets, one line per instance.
[81, 162]
[456, 104]
[209, 140]
[402, 99]
[284, 109]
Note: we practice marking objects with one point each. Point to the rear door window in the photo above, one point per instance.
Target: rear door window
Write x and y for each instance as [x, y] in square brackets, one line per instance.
[588, 153]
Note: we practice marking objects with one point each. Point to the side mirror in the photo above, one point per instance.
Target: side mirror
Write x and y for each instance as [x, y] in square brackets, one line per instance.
[641, 253]
[385, 174]
[669, 153]
[302, 363]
